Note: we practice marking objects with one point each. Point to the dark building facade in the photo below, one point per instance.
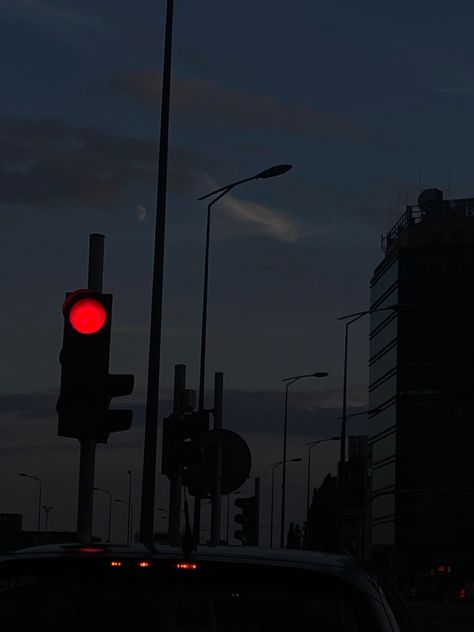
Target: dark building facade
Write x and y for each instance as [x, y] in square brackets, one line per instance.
[421, 374]
[323, 530]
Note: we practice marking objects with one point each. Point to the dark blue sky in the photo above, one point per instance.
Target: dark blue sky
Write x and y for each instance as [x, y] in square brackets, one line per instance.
[371, 102]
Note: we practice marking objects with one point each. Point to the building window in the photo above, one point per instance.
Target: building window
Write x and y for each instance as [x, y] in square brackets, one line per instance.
[438, 237]
[458, 234]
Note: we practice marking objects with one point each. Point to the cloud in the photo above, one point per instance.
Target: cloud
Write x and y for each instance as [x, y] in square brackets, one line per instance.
[203, 97]
[262, 218]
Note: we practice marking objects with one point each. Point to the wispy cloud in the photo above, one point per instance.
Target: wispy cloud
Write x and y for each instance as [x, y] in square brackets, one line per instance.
[262, 218]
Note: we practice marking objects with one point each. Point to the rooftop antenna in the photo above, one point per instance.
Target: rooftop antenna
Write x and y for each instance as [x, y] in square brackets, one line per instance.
[449, 184]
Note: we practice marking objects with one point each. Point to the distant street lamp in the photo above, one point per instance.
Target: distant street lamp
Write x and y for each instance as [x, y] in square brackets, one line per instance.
[311, 445]
[109, 494]
[351, 318]
[40, 491]
[289, 381]
[46, 509]
[274, 466]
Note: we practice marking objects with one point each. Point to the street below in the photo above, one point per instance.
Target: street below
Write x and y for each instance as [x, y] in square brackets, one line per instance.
[443, 618]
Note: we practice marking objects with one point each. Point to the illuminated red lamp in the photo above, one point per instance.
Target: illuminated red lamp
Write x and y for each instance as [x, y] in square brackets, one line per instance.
[462, 594]
[186, 566]
[87, 316]
[144, 564]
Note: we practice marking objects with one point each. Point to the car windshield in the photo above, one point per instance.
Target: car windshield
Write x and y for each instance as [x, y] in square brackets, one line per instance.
[220, 598]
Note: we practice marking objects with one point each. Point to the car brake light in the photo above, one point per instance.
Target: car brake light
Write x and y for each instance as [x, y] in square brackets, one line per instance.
[144, 564]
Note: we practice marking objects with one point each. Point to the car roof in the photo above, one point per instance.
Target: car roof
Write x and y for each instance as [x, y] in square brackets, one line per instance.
[357, 571]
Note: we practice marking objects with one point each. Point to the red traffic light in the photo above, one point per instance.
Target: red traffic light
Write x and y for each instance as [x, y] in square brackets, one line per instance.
[87, 316]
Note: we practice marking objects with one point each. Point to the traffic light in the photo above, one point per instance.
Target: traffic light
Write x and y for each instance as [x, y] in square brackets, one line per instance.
[248, 519]
[177, 433]
[86, 385]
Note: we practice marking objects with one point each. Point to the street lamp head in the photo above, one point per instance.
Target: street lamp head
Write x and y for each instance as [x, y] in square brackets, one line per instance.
[295, 460]
[277, 170]
[320, 374]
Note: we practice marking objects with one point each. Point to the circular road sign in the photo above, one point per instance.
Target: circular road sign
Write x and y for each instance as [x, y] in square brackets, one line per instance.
[236, 462]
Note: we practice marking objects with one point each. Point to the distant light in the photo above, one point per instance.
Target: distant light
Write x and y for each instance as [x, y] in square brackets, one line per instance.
[87, 316]
[116, 563]
[186, 566]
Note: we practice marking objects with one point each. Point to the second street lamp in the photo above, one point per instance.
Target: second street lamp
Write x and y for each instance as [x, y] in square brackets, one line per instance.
[351, 318]
[40, 491]
[274, 466]
[289, 381]
[109, 519]
[272, 172]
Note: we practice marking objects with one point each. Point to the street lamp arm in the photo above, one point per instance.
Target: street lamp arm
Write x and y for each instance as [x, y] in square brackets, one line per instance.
[310, 444]
[224, 190]
[276, 170]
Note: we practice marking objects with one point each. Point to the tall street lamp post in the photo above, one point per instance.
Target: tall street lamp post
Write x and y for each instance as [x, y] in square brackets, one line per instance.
[311, 445]
[277, 170]
[289, 381]
[40, 491]
[274, 466]
[350, 319]
[272, 172]
[109, 518]
[153, 382]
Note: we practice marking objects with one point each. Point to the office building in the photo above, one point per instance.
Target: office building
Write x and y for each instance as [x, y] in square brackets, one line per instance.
[421, 374]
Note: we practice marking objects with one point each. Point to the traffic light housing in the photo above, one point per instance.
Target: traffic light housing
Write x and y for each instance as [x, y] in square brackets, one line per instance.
[87, 388]
[178, 431]
[248, 519]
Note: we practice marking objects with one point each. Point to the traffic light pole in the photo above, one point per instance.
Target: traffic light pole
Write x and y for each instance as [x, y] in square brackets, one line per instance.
[216, 507]
[87, 454]
[174, 515]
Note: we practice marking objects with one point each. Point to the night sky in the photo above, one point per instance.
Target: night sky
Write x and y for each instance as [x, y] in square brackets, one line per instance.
[370, 102]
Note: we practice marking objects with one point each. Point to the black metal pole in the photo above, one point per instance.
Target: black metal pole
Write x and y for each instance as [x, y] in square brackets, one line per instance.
[271, 509]
[283, 484]
[202, 373]
[342, 456]
[88, 446]
[129, 529]
[109, 526]
[308, 485]
[153, 386]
